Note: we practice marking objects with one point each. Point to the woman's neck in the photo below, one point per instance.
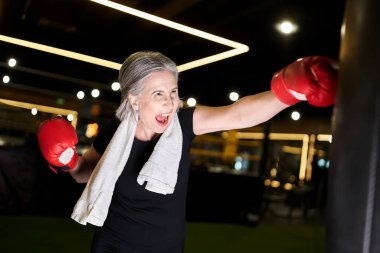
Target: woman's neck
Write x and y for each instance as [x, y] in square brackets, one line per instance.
[143, 135]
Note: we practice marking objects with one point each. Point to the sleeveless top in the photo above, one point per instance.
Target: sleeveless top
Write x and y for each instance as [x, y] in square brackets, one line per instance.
[139, 219]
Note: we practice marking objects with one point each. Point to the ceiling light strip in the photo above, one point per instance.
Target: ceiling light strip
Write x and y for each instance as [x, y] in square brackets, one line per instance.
[238, 48]
[42, 108]
[171, 24]
[210, 59]
[61, 52]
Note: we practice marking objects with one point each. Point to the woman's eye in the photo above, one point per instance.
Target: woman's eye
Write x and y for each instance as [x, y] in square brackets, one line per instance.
[158, 95]
[175, 92]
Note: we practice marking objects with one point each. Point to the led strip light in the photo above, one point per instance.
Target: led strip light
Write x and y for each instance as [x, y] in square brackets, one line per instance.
[286, 137]
[305, 145]
[42, 108]
[61, 52]
[237, 48]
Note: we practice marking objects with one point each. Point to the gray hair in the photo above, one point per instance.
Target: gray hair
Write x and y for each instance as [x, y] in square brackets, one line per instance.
[133, 71]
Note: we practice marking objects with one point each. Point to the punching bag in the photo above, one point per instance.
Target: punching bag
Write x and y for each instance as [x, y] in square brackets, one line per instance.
[353, 209]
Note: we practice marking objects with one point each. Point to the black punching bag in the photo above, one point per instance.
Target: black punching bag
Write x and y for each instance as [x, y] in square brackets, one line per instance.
[353, 214]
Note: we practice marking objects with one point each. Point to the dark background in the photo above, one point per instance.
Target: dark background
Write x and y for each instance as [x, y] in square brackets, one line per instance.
[89, 28]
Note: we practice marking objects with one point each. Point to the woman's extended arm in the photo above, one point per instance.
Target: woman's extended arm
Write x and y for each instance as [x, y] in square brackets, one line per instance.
[313, 79]
[246, 112]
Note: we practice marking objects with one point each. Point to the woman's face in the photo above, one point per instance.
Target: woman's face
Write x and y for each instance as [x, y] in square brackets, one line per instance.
[156, 104]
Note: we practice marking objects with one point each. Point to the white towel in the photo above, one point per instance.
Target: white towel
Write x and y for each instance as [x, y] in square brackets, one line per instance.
[160, 171]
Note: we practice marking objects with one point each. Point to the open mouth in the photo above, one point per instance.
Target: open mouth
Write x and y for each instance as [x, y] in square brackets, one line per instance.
[162, 119]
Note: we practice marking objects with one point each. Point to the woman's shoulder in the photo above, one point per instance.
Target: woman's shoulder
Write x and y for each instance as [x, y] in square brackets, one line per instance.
[185, 116]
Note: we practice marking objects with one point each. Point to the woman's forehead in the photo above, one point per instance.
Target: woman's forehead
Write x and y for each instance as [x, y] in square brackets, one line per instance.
[160, 80]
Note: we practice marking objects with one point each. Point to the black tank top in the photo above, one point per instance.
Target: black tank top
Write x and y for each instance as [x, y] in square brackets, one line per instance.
[140, 220]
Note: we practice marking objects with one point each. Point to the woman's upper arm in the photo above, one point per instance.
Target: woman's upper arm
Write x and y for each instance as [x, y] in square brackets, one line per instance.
[246, 112]
[208, 119]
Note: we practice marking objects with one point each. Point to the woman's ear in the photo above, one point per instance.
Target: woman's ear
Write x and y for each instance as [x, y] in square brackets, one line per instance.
[134, 102]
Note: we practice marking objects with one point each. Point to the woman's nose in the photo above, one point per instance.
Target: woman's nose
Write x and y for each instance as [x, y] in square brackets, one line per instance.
[169, 100]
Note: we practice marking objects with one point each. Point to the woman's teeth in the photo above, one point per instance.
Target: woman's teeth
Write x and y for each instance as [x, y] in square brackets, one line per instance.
[163, 118]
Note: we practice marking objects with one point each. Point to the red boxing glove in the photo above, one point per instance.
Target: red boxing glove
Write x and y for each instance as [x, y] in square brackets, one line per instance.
[313, 78]
[57, 139]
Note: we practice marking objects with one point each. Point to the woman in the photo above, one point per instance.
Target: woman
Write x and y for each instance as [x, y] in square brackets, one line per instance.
[137, 168]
